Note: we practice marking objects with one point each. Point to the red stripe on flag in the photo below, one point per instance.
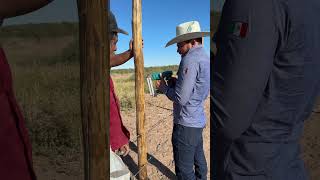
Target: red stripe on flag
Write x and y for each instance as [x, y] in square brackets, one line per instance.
[243, 30]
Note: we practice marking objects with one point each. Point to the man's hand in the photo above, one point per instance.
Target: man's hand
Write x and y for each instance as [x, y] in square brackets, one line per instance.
[172, 82]
[161, 85]
[118, 59]
[124, 150]
[131, 47]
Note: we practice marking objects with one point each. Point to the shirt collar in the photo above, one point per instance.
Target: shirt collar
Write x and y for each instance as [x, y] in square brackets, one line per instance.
[194, 48]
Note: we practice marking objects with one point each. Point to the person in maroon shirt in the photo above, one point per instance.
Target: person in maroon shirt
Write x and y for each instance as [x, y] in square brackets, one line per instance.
[15, 146]
[119, 135]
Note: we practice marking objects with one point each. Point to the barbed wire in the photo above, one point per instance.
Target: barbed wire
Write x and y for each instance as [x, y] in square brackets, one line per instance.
[143, 167]
[158, 149]
[170, 165]
[150, 129]
[155, 124]
[153, 127]
[148, 161]
[159, 106]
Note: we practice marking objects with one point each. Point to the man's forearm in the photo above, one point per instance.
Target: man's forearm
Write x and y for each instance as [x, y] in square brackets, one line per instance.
[11, 8]
[119, 59]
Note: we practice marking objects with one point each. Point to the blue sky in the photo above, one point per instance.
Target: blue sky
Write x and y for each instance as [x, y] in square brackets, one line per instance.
[159, 21]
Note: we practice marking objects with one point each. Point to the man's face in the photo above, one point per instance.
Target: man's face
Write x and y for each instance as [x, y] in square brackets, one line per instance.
[183, 48]
[113, 45]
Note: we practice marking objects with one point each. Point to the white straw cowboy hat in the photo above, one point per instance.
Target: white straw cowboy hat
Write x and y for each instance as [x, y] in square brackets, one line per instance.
[187, 31]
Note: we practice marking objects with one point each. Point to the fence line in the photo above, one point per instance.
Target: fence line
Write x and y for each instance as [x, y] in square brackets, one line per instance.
[160, 121]
[150, 129]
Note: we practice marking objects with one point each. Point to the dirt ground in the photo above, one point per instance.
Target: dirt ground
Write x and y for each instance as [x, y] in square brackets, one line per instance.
[159, 128]
[159, 124]
[311, 143]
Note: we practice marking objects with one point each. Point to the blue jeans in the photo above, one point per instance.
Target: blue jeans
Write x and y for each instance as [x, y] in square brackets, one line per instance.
[190, 162]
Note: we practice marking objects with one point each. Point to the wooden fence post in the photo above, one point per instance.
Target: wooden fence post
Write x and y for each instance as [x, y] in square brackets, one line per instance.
[139, 91]
[94, 85]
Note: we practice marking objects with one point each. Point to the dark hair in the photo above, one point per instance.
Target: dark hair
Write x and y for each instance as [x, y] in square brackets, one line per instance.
[199, 40]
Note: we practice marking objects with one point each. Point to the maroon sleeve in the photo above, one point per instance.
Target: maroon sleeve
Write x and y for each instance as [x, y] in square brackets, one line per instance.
[15, 151]
[119, 135]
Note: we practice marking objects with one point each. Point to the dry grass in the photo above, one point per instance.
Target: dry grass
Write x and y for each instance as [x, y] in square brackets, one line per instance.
[124, 87]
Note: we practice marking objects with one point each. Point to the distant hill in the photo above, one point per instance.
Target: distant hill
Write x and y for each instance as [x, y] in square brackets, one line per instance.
[148, 70]
[44, 43]
[42, 30]
[48, 44]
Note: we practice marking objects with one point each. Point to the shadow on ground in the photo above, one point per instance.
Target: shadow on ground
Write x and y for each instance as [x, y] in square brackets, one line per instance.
[133, 167]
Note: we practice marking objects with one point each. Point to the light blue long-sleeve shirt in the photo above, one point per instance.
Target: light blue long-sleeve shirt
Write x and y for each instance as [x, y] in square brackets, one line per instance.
[191, 89]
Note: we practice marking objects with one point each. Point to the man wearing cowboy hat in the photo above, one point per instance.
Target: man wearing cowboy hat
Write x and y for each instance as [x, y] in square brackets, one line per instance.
[188, 96]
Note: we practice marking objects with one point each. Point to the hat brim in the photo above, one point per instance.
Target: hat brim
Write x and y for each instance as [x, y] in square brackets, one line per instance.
[120, 31]
[188, 36]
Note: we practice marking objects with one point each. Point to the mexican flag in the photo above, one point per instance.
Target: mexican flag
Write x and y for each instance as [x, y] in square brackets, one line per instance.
[239, 29]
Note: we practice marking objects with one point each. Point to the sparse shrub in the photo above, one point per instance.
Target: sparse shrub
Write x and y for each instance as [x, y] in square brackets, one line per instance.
[127, 103]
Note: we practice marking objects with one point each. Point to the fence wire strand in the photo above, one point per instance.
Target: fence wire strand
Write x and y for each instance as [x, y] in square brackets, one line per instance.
[150, 129]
